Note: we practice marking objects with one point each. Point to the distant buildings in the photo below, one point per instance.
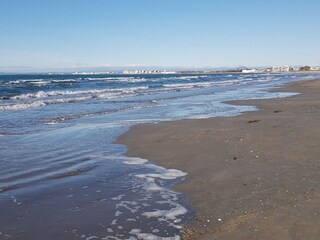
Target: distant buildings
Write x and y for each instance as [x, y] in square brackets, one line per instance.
[288, 68]
[147, 72]
[308, 68]
[281, 68]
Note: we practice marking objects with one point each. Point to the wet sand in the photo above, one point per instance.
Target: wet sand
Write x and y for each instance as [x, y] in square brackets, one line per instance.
[253, 176]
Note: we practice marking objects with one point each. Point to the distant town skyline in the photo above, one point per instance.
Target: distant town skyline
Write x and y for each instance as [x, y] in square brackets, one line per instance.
[100, 35]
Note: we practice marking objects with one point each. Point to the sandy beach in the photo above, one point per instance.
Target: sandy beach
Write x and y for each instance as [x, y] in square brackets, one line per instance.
[253, 176]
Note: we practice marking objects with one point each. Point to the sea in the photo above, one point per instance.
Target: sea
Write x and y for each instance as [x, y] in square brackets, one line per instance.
[62, 176]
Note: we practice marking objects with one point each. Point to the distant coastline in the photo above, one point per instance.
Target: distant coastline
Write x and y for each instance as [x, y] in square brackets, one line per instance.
[191, 72]
[239, 72]
[156, 71]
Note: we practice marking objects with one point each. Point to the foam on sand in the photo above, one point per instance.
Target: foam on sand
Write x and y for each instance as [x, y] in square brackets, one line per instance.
[148, 236]
[170, 214]
[135, 161]
[168, 174]
[153, 186]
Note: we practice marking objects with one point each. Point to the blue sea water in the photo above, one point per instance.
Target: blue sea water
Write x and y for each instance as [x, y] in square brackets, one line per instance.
[61, 175]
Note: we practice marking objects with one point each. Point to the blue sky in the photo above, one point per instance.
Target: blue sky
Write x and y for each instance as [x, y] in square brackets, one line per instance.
[41, 35]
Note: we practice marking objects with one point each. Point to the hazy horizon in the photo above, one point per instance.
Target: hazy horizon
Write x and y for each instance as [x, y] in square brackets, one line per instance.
[118, 69]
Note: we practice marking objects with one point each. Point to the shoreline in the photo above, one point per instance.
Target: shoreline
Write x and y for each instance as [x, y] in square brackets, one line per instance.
[252, 176]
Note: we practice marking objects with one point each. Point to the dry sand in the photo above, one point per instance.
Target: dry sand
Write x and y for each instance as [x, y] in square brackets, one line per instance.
[254, 176]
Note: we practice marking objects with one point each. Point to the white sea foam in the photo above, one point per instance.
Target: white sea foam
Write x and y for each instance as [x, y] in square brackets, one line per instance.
[22, 106]
[66, 100]
[92, 238]
[63, 81]
[168, 174]
[175, 86]
[129, 160]
[111, 95]
[118, 79]
[131, 220]
[38, 82]
[166, 210]
[184, 77]
[99, 78]
[151, 185]
[170, 214]
[188, 85]
[45, 100]
[42, 94]
[111, 238]
[42, 103]
[130, 80]
[135, 161]
[114, 222]
[148, 236]
[118, 213]
[119, 197]
[15, 82]
[131, 206]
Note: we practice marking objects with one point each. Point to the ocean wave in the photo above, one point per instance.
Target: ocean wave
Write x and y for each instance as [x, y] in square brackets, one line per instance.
[36, 104]
[64, 81]
[66, 100]
[105, 78]
[43, 94]
[90, 114]
[38, 82]
[188, 85]
[133, 80]
[40, 94]
[203, 84]
[119, 79]
[22, 106]
[114, 93]
[184, 77]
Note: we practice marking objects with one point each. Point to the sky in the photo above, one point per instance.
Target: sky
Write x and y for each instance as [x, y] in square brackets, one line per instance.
[58, 35]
